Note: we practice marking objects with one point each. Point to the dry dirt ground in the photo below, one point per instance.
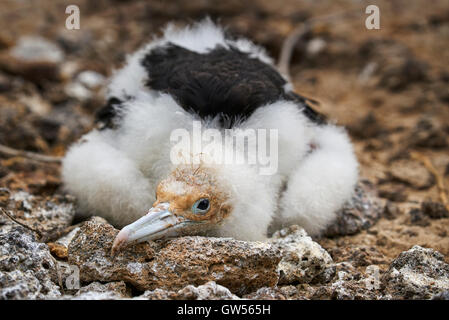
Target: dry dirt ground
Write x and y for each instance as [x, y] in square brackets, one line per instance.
[389, 87]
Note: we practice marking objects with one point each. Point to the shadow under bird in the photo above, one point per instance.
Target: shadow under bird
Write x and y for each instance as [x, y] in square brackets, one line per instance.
[123, 170]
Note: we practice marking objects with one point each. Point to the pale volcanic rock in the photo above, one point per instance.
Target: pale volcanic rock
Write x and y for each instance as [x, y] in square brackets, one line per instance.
[48, 215]
[106, 291]
[60, 247]
[418, 273]
[238, 265]
[33, 58]
[303, 260]
[31, 49]
[209, 291]
[27, 269]
[90, 250]
[85, 86]
[350, 284]
[266, 293]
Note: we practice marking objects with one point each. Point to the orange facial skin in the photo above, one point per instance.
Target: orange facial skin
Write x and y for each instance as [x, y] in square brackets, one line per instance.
[187, 185]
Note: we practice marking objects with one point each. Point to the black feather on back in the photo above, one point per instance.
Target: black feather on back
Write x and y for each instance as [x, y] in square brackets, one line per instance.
[223, 82]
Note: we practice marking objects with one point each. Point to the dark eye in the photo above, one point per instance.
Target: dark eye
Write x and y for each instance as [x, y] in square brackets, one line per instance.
[201, 206]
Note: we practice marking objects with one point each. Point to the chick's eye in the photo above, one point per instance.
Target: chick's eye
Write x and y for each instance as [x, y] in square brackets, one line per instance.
[201, 206]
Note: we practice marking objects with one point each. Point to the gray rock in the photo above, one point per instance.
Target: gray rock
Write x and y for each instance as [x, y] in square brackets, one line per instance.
[418, 273]
[91, 79]
[33, 48]
[303, 260]
[48, 215]
[359, 214]
[86, 85]
[267, 293]
[208, 291]
[100, 291]
[441, 296]
[238, 265]
[78, 91]
[349, 284]
[27, 270]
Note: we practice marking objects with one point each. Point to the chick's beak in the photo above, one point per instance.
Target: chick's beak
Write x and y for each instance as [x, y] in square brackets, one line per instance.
[159, 222]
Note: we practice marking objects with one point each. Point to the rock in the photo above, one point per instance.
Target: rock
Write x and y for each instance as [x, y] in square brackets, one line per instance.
[367, 127]
[238, 265]
[266, 294]
[303, 260]
[393, 192]
[357, 255]
[398, 67]
[158, 294]
[60, 248]
[418, 218]
[91, 79]
[289, 291]
[391, 211]
[78, 91]
[208, 291]
[27, 270]
[349, 284]
[398, 77]
[315, 46]
[107, 291]
[441, 296]
[57, 250]
[90, 249]
[359, 214]
[48, 215]
[107, 295]
[411, 173]
[427, 134]
[418, 273]
[434, 210]
[33, 58]
[85, 86]
[32, 49]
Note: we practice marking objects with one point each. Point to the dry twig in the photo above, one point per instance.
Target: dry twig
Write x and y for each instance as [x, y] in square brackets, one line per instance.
[5, 212]
[299, 32]
[439, 179]
[28, 155]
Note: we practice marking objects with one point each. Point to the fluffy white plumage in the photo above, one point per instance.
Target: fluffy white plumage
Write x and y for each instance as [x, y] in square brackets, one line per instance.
[114, 173]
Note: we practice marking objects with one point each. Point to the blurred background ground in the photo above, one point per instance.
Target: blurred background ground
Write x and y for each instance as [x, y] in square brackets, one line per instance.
[389, 87]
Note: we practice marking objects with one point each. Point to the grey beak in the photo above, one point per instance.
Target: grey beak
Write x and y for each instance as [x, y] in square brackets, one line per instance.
[159, 222]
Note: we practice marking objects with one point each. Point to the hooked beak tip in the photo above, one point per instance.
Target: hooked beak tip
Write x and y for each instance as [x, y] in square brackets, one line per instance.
[120, 240]
[156, 222]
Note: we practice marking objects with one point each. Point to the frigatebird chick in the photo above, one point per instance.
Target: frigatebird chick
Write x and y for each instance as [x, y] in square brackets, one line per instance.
[125, 170]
